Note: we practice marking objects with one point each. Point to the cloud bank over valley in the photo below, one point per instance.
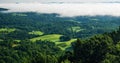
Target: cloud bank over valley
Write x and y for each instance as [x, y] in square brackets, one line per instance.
[66, 9]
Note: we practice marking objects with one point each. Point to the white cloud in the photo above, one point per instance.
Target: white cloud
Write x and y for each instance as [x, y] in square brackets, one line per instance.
[67, 9]
[28, 1]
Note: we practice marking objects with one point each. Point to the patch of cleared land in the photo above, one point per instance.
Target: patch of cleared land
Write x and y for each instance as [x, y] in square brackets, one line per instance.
[56, 39]
[7, 30]
[64, 45]
[1, 40]
[75, 29]
[94, 19]
[17, 40]
[36, 33]
[51, 37]
[74, 21]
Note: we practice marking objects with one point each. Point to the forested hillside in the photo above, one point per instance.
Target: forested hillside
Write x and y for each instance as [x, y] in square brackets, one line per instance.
[29, 37]
[80, 27]
[103, 48]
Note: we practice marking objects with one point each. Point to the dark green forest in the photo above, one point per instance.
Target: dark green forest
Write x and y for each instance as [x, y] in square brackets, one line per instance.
[30, 37]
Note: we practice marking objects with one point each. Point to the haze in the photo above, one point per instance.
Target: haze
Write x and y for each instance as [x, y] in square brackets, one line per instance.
[31, 1]
[66, 9]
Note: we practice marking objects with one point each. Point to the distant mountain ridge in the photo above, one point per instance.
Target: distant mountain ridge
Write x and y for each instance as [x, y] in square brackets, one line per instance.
[3, 9]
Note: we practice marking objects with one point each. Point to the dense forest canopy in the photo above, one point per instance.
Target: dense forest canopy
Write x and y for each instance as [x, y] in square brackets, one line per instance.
[30, 37]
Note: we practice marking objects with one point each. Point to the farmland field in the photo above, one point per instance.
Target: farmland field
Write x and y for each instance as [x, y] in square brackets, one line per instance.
[7, 30]
[36, 33]
[51, 37]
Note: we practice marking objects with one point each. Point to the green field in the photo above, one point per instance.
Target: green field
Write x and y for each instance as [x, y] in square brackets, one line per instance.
[74, 21]
[17, 40]
[94, 19]
[75, 29]
[51, 37]
[1, 40]
[64, 45]
[54, 38]
[7, 30]
[36, 33]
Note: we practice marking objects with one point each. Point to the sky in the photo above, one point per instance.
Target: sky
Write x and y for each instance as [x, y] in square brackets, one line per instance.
[29, 1]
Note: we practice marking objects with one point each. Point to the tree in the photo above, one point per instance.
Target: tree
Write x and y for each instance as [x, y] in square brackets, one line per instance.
[77, 47]
[92, 50]
[64, 38]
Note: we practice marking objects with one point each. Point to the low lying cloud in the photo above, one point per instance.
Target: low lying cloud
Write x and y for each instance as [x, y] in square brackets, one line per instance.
[67, 9]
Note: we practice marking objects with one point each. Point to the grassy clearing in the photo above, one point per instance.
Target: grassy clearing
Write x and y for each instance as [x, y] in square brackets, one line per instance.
[74, 21]
[55, 38]
[7, 30]
[51, 37]
[64, 45]
[17, 14]
[17, 40]
[75, 29]
[94, 19]
[1, 40]
[15, 45]
[36, 33]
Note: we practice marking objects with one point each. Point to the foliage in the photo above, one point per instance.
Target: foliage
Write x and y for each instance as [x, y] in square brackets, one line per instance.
[46, 38]
[97, 49]
[28, 52]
